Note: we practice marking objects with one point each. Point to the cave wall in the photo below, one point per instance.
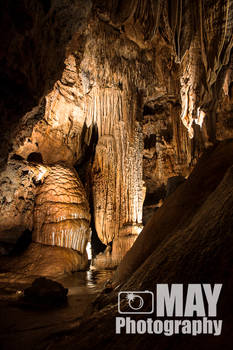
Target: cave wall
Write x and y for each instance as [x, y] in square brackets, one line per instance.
[17, 200]
[32, 55]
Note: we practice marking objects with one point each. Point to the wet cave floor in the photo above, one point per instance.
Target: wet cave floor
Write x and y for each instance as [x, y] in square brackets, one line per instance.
[26, 327]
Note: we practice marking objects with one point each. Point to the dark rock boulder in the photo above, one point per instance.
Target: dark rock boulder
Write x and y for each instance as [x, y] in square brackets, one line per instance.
[44, 291]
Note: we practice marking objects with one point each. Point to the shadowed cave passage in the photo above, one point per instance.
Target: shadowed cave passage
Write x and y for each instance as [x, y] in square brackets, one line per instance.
[83, 167]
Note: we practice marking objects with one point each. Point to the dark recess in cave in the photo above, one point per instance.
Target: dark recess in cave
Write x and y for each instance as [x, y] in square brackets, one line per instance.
[149, 141]
[16, 157]
[35, 157]
[147, 110]
[83, 163]
[96, 245]
[46, 5]
[166, 135]
[22, 243]
[153, 198]
[228, 123]
[83, 168]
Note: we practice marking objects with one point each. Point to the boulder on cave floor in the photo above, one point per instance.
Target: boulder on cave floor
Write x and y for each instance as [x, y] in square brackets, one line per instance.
[45, 292]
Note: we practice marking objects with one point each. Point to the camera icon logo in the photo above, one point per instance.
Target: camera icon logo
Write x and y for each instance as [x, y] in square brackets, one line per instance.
[136, 302]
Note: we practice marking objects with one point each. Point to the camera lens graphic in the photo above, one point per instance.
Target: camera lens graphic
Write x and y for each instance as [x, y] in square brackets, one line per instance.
[135, 301]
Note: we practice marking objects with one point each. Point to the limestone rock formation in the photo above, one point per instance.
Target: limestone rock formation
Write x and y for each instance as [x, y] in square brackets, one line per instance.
[51, 202]
[58, 122]
[223, 127]
[117, 183]
[32, 53]
[167, 152]
[17, 196]
[201, 37]
[42, 260]
[180, 207]
[119, 175]
[129, 92]
[61, 214]
[197, 65]
[190, 241]
[117, 172]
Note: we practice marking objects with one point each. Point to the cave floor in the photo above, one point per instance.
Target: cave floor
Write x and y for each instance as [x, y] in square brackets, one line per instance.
[25, 328]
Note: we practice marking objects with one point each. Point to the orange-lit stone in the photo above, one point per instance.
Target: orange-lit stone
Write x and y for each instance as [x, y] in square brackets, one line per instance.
[61, 215]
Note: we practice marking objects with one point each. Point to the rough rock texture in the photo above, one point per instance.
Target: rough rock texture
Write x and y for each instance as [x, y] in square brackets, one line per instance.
[117, 184]
[209, 50]
[51, 202]
[120, 83]
[117, 170]
[179, 209]
[167, 152]
[224, 112]
[58, 123]
[17, 196]
[61, 214]
[43, 260]
[32, 55]
[201, 37]
[194, 243]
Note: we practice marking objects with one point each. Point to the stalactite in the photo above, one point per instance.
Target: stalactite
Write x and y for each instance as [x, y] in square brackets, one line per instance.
[117, 169]
[201, 34]
[211, 36]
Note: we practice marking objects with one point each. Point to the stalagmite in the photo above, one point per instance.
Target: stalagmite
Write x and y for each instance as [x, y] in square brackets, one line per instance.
[61, 214]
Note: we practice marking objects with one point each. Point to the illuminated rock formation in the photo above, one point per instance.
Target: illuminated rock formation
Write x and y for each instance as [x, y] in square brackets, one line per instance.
[188, 239]
[208, 52]
[117, 179]
[17, 196]
[44, 260]
[58, 122]
[37, 35]
[61, 214]
[52, 202]
[181, 207]
[124, 88]
[117, 169]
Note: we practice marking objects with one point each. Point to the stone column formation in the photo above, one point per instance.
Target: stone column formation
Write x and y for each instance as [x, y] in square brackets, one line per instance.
[61, 214]
[113, 107]
[117, 170]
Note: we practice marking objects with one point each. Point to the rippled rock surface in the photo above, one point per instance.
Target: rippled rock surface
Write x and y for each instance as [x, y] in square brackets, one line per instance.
[61, 215]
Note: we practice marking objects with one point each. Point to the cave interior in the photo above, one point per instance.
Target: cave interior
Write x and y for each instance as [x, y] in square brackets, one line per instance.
[116, 150]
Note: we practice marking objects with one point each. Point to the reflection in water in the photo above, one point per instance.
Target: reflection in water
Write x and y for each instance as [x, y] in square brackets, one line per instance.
[28, 327]
[89, 282]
